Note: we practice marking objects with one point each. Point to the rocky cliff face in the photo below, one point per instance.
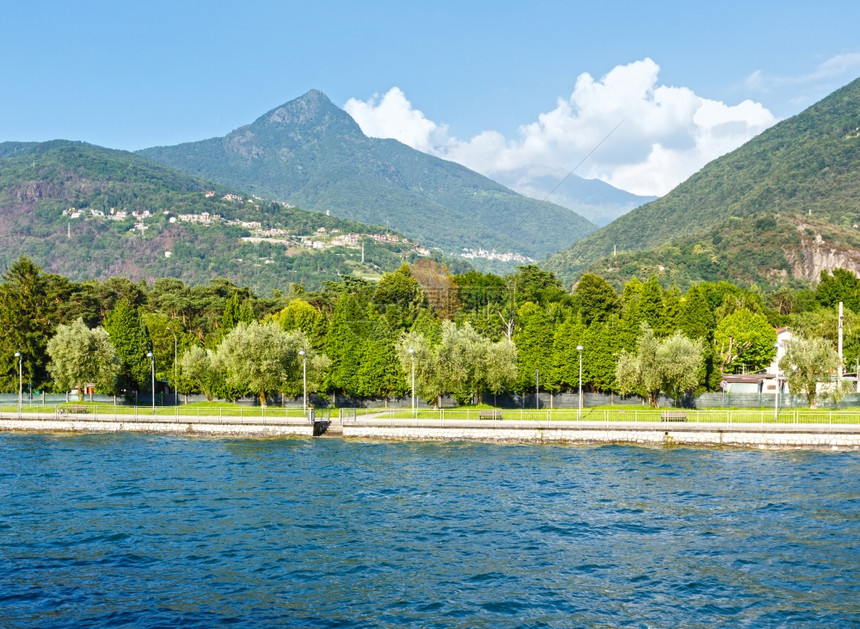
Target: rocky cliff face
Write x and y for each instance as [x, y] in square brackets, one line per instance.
[815, 254]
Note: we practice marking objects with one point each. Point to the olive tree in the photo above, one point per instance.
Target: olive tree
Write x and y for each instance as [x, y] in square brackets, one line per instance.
[670, 365]
[80, 355]
[806, 362]
[200, 371]
[263, 357]
[464, 363]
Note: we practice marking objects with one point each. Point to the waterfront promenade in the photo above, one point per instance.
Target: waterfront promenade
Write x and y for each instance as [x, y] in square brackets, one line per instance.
[748, 428]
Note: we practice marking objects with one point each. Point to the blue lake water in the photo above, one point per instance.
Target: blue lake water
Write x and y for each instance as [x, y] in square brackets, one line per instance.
[125, 530]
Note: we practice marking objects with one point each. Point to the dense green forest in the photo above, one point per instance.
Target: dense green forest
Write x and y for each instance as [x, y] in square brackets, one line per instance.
[805, 166]
[760, 250]
[86, 212]
[471, 334]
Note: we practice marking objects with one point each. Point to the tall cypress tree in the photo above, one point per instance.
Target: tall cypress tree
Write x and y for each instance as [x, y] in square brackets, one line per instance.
[651, 306]
[344, 344]
[534, 339]
[671, 311]
[380, 375]
[602, 341]
[130, 338]
[695, 319]
[565, 356]
[30, 304]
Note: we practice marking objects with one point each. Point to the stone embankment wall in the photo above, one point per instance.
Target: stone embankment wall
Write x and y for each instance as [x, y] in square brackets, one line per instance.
[650, 433]
[214, 426]
[821, 436]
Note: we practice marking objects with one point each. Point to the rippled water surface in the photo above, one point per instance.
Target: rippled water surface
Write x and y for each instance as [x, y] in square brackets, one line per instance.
[114, 530]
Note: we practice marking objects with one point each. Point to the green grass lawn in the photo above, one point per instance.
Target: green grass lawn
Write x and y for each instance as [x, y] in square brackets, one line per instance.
[626, 413]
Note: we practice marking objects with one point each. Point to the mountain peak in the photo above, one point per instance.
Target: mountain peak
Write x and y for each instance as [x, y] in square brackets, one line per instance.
[313, 109]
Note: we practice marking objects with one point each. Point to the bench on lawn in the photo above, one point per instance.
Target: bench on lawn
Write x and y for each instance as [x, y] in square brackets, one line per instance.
[74, 409]
[493, 414]
[673, 416]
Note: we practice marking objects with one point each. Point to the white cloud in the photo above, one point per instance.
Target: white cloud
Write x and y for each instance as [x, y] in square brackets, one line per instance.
[838, 67]
[667, 134]
[392, 116]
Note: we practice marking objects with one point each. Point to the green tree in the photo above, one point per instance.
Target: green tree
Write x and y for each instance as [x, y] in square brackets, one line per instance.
[597, 299]
[651, 306]
[534, 340]
[399, 298]
[30, 309]
[262, 357]
[300, 315]
[479, 292]
[236, 311]
[602, 344]
[565, 365]
[669, 365]
[200, 371]
[696, 319]
[745, 341]
[379, 375]
[841, 285]
[806, 363]
[463, 363]
[671, 311]
[532, 284]
[344, 345]
[422, 361]
[130, 338]
[80, 356]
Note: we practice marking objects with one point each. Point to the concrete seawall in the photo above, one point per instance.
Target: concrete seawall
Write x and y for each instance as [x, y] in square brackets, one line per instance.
[819, 436]
[213, 426]
[823, 436]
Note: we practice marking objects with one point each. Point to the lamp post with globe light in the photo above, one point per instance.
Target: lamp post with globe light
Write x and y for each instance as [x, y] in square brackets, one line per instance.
[304, 381]
[20, 381]
[579, 348]
[412, 357]
[151, 357]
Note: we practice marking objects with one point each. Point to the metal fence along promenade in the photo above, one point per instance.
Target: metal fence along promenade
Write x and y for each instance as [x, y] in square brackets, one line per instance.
[667, 415]
[167, 414]
[292, 415]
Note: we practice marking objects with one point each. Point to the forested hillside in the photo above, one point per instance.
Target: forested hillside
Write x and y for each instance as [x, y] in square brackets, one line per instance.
[91, 213]
[760, 250]
[805, 166]
[312, 154]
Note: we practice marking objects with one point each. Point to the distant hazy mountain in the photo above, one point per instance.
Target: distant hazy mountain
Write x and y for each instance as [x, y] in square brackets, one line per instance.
[310, 153]
[88, 212]
[593, 199]
[807, 167]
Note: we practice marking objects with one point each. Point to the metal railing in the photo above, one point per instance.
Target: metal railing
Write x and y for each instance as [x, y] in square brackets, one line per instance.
[168, 414]
[672, 415]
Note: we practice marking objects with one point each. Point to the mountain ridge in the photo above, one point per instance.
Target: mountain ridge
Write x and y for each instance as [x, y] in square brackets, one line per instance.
[310, 153]
[88, 212]
[805, 164]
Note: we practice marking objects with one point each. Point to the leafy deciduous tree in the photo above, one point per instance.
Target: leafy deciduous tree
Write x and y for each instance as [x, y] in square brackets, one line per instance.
[80, 356]
[668, 365]
[806, 363]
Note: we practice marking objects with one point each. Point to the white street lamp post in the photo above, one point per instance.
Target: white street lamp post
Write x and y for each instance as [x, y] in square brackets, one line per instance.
[20, 381]
[579, 348]
[776, 397]
[304, 381]
[412, 356]
[175, 380]
[151, 357]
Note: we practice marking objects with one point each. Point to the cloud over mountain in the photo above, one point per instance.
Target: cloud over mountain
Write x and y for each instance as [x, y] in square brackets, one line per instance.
[666, 133]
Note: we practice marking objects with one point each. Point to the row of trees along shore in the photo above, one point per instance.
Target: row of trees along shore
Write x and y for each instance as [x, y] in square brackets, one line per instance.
[471, 335]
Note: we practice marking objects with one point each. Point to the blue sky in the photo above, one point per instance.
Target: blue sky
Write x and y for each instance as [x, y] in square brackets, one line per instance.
[513, 89]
